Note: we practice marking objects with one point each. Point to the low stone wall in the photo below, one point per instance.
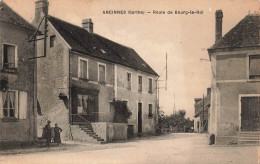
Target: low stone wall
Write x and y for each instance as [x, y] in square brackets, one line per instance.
[110, 131]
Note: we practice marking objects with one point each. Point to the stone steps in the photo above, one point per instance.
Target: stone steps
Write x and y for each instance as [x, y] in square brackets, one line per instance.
[249, 138]
[84, 133]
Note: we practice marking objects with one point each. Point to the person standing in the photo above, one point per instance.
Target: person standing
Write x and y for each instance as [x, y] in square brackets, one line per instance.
[48, 133]
[57, 131]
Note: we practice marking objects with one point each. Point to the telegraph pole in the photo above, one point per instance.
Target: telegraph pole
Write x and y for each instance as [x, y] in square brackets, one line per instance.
[203, 113]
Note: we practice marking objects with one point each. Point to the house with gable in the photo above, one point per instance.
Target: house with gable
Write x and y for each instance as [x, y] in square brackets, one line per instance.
[82, 74]
[17, 73]
[202, 107]
[235, 82]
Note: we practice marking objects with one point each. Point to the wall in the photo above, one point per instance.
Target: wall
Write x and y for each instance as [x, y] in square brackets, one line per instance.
[196, 122]
[53, 79]
[230, 78]
[110, 131]
[21, 130]
[133, 97]
[106, 93]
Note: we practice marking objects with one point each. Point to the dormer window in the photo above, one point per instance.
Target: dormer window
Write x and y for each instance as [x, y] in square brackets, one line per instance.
[103, 51]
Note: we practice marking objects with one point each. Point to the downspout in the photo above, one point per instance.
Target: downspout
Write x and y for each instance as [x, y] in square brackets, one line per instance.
[69, 96]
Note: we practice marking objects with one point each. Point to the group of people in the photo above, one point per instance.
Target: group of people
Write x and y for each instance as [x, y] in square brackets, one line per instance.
[47, 134]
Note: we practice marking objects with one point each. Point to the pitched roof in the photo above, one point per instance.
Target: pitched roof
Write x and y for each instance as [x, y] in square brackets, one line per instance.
[10, 16]
[244, 34]
[97, 46]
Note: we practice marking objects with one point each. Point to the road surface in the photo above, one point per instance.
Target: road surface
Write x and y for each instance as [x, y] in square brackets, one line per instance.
[167, 149]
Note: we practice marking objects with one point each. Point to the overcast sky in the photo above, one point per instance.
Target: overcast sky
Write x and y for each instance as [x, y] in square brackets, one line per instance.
[185, 38]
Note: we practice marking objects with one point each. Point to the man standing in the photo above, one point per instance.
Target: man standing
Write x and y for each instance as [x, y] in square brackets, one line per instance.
[57, 131]
[48, 133]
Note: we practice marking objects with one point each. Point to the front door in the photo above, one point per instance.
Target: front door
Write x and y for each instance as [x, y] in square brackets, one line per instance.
[250, 114]
[140, 121]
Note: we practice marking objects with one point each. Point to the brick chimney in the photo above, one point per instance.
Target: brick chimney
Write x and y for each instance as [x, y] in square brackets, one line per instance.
[208, 91]
[40, 7]
[219, 16]
[88, 25]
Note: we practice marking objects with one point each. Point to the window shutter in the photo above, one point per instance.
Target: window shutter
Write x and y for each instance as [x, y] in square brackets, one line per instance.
[16, 104]
[22, 105]
[1, 105]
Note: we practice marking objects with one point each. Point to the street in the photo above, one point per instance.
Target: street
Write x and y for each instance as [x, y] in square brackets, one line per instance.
[169, 148]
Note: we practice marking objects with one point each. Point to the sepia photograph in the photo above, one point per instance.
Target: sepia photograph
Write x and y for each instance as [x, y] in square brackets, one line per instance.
[129, 81]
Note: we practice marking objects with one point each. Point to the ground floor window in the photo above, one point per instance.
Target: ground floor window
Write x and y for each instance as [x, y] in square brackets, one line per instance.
[9, 103]
[13, 104]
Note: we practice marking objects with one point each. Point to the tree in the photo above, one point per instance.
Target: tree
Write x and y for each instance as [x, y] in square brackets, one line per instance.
[122, 113]
[176, 120]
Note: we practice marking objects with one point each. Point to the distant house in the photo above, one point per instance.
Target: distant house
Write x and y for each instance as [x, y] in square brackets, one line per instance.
[201, 113]
[235, 83]
[17, 114]
[83, 73]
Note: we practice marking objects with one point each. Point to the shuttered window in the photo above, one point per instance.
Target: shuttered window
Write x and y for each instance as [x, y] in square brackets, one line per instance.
[140, 79]
[254, 66]
[129, 80]
[102, 73]
[150, 88]
[83, 69]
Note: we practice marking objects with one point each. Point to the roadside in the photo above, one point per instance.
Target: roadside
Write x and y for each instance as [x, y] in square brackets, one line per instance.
[170, 148]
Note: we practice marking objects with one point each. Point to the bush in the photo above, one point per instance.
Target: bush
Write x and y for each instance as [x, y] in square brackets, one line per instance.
[122, 113]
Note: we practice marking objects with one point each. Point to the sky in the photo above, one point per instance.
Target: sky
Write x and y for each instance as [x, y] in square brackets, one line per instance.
[184, 38]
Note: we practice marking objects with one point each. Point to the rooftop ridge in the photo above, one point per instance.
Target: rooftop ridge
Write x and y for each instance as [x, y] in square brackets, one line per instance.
[28, 23]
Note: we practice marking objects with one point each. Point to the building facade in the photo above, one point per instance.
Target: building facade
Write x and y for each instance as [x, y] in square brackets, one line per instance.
[17, 114]
[235, 84]
[201, 117]
[81, 75]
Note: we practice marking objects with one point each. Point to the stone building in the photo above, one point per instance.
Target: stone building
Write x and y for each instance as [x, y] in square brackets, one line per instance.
[202, 106]
[235, 82]
[17, 114]
[83, 73]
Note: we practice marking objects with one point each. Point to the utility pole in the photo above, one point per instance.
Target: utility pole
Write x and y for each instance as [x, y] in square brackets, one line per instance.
[166, 73]
[203, 113]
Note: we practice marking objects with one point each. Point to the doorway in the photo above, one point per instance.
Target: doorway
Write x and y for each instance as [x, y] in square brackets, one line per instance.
[140, 121]
[250, 113]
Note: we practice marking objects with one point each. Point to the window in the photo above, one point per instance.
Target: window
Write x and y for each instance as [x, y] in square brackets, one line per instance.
[13, 104]
[85, 104]
[10, 56]
[150, 89]
[254, 66]
[139, 83]
[52, 40]
[150, 115]
[102, 73]
[9, 104]
[129, 80]
[83, 69]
